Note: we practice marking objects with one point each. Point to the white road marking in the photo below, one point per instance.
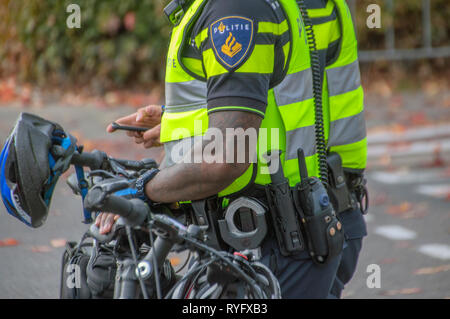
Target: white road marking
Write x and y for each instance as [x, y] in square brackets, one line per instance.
[368, 218]
[395, 232]
[414, 149]
[440, 251]
[408, 177]
[410, 135]
[438, 191]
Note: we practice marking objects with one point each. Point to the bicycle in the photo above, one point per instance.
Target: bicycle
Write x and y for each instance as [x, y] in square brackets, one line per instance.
[143, 270]
[134, 254]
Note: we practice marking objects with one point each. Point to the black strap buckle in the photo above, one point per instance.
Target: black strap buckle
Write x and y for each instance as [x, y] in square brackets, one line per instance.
[338, 190]
[206, 216]
[363, 197]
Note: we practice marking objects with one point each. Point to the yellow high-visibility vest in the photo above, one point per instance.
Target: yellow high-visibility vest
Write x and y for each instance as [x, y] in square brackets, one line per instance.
[290, 107]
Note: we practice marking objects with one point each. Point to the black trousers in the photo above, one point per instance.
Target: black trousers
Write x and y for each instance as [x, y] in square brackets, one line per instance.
[299, 276]
[355, 230]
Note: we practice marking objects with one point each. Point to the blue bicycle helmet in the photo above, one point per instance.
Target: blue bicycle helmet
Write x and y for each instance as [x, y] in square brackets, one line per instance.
[34, 156]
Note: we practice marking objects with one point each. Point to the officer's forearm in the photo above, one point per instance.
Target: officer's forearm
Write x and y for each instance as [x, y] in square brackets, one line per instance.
[192, 181]
[183, 182]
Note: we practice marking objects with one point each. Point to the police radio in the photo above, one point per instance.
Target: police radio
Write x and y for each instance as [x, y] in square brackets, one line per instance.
[324, 233]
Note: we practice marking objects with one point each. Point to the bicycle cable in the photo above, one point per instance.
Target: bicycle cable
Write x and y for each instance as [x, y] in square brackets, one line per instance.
[190, 273]
[185, 263]
[250, 281]
[133, 253]
[188, 293]
[155, 265]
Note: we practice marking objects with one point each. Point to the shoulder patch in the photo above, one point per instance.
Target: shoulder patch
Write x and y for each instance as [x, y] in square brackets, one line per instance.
[232, 40]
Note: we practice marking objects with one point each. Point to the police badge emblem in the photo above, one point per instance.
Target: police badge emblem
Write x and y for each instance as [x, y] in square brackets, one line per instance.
[232, 39]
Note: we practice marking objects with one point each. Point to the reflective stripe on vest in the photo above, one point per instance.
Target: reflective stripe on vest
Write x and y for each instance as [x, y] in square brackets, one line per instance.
[347, 132]
[185, 95]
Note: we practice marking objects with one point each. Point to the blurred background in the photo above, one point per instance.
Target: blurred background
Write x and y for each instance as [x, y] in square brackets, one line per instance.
[84, 78]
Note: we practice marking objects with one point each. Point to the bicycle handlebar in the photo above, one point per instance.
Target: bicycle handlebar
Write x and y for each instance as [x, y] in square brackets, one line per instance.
[134, 211]
[93, 160]
[137, 165]
[100, 160]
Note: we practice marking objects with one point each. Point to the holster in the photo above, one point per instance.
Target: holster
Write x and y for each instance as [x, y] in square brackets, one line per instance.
[206, 215]
[285, 219]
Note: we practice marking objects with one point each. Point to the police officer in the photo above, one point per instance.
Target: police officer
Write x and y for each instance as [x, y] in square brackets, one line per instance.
[246, 65]
[327, 21]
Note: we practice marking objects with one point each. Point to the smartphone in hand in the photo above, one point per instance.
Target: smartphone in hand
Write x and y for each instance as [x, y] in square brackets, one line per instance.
[117, 126]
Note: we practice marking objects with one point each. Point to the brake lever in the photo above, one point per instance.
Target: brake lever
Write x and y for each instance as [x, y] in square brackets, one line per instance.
[110, 186]
[97, 194]
[100, 173]
[72, 181]
[118, 168]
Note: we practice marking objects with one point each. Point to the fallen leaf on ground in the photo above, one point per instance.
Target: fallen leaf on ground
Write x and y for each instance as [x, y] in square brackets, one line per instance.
[7, 242]
[438, 160]
[398, 128]
[430, 88]
[58, 242]
[383, 88]
[112, 98]
[404, 291]
[418, 210]
[385, 160]
[398, 146]
[399, 209]
[7, 91]
[56, 212]
[379, 199]
[432, 270]
[419, 118]
[402, 244]
[41, 249]
[387, 261]
[396, 101]
[446, 102]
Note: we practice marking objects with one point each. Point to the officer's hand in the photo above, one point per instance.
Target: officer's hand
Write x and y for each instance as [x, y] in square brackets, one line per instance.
[149, 138]
[148, 117]
[105, 222]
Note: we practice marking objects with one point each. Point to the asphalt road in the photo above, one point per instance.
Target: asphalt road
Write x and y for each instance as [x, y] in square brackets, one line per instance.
[409, 223]
[409, 237]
